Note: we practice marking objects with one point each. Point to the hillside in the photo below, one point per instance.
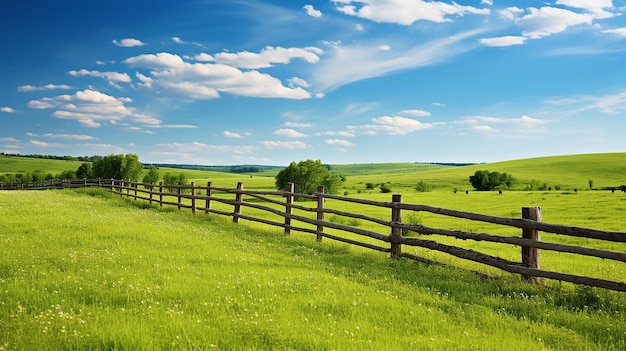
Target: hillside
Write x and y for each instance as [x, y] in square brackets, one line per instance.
[566, 172]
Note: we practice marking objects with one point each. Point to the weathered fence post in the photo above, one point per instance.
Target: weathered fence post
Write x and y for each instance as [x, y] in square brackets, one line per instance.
[161, 194]
[238, 199]
[179, 192]
[531, 255]
[193, 197]
[320, 212]
[288, 207]
[151, 187]
[396, 232]
[135, 186]
[208, 197]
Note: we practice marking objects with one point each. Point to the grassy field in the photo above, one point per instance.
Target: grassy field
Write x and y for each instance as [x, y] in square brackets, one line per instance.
[101, 273]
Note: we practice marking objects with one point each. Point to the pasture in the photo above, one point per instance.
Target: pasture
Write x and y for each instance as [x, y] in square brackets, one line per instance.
[85, 270]
[99, 272]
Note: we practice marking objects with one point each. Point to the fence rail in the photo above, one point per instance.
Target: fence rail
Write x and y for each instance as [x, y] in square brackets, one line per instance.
[281, 205]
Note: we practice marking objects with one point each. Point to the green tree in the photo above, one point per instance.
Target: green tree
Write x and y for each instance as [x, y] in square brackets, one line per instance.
[486, 180]
[120, 166]
[307, 175]
[130, 168]
[152, 177]
[85, 170]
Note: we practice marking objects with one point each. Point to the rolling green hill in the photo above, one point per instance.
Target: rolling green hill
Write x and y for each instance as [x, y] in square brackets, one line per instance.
[566, 172]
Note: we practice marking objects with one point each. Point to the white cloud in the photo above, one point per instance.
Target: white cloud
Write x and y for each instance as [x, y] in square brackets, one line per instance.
[268, 57]
[311, 11]
[510, 13]
[61, 136]
[486, 2]
[28, 88]
[342, 133]
[203, 57]
[523, 125]
[415, 113]
[339, 142]
[128, 42]
[295, 81]
[178, 40]
[550, 20]
[289, 133]
[509, 40]
[347, 64]
[110, 76]
[290, 145]
[90, 108]
[610, 104]
[201, 81]
[405, 12]
[231, 134]
[7, 109]
[392, 125]
[597, 7]
[619, 31]
[298, 125]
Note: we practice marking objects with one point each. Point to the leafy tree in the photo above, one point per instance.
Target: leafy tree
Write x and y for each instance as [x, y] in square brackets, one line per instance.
[307, 176]
[85, 170]
[130, 167]
[120, 166]
[152, 176]
[485, 180]
[423, 187]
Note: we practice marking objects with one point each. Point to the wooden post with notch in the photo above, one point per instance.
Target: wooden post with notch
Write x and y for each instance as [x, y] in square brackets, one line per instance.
[238, 199]
[396, 232]
[288, 206]
[531, 255]
[320, 212]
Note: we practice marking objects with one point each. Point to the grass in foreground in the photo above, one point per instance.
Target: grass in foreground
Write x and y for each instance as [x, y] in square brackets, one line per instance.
[80, 272]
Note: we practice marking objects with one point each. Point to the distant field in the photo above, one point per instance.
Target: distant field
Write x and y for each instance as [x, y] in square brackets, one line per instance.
[12, 164]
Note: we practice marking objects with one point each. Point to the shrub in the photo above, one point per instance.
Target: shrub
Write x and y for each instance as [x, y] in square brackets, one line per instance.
[423, 187]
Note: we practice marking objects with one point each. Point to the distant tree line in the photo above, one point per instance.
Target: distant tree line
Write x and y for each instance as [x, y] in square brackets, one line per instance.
[55, 157]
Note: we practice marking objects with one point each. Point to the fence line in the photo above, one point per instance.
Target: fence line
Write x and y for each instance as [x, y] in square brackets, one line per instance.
[284, 207]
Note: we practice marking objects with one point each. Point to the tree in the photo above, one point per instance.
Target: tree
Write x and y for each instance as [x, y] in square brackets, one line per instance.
[85, 170]
[126, 167]
[152, 177]
[307, 175]
[485, 180]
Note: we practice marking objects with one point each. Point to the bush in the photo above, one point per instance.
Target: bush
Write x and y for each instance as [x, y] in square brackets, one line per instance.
[423, 187]
[384, 188]
[486, 180]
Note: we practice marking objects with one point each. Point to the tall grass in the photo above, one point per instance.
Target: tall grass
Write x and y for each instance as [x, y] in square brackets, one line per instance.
[98, 272]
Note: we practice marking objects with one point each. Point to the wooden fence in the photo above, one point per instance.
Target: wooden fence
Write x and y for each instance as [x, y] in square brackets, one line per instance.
[281, 205]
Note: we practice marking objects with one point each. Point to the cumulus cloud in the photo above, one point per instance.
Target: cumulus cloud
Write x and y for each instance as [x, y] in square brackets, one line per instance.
[415, 113]
[28, 88]
[618, 31]
[128, 42]
[599, 8]
[268, 57]
[201, 81]
[508, 40]
[231, 134]
[550, 20]
[289, 133]
[311, 11]
[110, 76]
[405, 12]
[391, 125]
[7, 109]
[90, 108]
[339, 142]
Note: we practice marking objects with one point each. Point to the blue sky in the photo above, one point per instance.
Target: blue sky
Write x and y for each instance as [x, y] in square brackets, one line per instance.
[224, 82]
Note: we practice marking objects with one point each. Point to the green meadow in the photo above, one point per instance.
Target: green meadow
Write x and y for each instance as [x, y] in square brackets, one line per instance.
[87, 270]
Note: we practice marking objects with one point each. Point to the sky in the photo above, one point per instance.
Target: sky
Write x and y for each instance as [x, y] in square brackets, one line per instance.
[231, 82]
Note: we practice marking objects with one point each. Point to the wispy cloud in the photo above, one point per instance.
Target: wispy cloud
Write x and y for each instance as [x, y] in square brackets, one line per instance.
[110, 76]
[345, 64]
[289, 133]
[7, 109]
[61, 136]
[289, 145]
[28, 88]
[392, 125]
